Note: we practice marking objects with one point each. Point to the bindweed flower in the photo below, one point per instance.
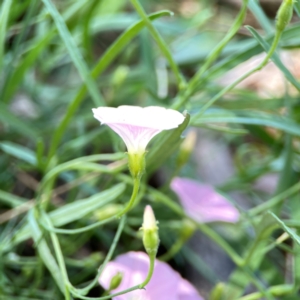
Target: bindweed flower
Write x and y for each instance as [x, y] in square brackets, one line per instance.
[137, 126]
[202, 203]
[165, 283]
[150, 231]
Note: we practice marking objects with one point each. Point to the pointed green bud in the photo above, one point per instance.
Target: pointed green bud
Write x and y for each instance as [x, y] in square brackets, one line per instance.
[284, 14]
[115, 281]
[150, 232]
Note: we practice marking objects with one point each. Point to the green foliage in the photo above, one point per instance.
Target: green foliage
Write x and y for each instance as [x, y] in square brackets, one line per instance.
[63, 178]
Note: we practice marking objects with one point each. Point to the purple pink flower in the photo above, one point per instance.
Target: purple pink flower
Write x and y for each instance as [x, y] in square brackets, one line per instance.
[137, 125]
[164, 284]
[202, 203]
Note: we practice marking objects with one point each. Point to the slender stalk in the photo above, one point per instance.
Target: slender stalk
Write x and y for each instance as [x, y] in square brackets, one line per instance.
[240, 79]
[212, 57]
[108, 257]
[275, 200]
[278, 290]
[80, 230]
[139, 286]
[136, 186]
[161, 43]
[150, 271]
[60, 258]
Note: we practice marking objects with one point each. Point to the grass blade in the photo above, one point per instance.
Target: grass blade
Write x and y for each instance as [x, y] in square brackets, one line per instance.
[74, 53]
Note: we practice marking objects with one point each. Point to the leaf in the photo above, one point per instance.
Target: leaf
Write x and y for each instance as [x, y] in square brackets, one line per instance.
[80, 208]
[71, 212]
[16, 123]
[248, 117]
[260, 16]
[287, 229]
[74, 53]
[19, 152]
[44, 251]
[165, 146]
[11, 199]
[4, 14]
[275, 58]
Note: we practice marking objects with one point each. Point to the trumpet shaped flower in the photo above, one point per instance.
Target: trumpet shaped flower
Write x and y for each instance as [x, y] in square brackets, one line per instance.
[202, 203]
[165, 283]
[137, 125]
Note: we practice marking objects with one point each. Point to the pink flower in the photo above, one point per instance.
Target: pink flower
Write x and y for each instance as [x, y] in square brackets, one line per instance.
[202, 203]
[137, 125]
[164, 284]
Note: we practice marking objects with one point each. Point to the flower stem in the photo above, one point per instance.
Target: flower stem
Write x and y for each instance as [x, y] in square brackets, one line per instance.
[136, 186]
[240, 79]
[150, 271]
[139, 286]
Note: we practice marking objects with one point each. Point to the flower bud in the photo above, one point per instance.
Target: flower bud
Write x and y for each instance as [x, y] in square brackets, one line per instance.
[186, 148]
[150, 231]
[284, 14]
[115, 281]
[187, 229]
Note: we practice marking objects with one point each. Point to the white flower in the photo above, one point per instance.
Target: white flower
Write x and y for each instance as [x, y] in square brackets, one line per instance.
[137, 125]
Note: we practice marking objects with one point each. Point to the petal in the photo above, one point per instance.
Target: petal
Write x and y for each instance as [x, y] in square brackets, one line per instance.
[134, 266]
[137, 125]
[187, 291]
[202, 203]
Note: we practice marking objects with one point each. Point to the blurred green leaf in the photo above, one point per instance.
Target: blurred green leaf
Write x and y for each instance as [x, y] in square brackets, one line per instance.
[19, 152]
[71, 212]
[248, 117]
[4, 14]
[44, 251]
[75, 54]
[165, 146]
[8, 118]
[275, 58]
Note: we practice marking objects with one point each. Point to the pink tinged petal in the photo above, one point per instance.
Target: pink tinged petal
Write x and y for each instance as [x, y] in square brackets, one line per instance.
[164, 284]
[202, 203]
[187, 291]
[137, 125]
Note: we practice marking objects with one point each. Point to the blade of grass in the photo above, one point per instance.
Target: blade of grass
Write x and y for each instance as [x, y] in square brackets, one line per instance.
[260, 16]
[161, 43]
[16, 123]
[5, 8]
[44, 251]
[75, 53]
[276, 59]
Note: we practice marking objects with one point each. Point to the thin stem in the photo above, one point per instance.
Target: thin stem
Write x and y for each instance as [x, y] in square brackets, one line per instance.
[275, 200]
[150, 271]
[60, 258]
[136, 186]
[240, 79]
[278, 290]
[76, 231]
[139, 286]
[108, 257]
[161, 43]
[212, 56]
[173, 250]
